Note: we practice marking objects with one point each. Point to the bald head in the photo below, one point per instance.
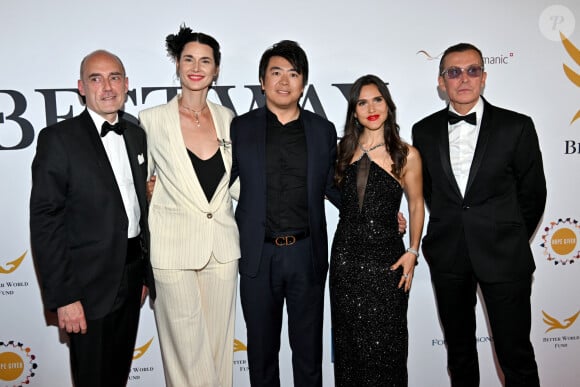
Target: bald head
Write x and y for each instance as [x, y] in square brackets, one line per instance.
[103, 83]
[100, 53]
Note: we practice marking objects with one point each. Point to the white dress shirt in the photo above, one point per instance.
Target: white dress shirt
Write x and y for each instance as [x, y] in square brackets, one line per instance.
[117, 153]
[462, 142]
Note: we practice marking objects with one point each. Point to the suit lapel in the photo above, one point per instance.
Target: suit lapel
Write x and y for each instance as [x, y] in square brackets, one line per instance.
[260, 129]
[480, 148]
[310, 154]
[136, 155]
[100, 155]
[444, 150]
[183, 161]
[222, 126]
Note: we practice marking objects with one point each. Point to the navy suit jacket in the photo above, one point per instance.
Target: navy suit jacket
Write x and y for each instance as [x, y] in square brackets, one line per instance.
[78, 224]
[504, 198]
[248, 134]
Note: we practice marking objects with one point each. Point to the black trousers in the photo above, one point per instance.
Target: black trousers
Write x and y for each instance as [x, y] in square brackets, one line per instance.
[102, 356]
[509, 315]
[286, 275]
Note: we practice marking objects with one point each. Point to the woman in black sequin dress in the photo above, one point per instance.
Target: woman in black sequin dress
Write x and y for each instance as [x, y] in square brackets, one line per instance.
[370, 270]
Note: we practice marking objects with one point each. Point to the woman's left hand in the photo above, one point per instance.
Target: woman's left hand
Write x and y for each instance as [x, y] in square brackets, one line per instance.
[407, 262]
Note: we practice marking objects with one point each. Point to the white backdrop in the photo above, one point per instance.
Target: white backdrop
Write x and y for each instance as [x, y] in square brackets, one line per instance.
[529, 68]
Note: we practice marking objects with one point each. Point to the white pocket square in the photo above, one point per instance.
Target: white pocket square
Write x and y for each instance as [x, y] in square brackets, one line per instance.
[140, 158]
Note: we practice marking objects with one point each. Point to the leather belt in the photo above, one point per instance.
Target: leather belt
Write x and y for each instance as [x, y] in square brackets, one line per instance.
[282, 240]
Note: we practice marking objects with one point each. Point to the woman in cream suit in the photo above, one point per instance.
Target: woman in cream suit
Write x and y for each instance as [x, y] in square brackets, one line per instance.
[194, 238]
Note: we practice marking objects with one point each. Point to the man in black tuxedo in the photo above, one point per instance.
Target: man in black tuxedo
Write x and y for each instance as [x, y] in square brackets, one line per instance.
[88, 225]
[284, 157]
[485, 188]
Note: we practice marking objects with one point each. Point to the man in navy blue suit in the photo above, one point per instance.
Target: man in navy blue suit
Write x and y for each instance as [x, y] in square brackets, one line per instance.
[284, 157]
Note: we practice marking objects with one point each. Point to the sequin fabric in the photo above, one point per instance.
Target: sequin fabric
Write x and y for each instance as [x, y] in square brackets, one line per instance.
[369, 312]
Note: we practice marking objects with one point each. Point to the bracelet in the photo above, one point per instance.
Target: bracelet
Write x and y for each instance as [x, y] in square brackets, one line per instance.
[413, 251]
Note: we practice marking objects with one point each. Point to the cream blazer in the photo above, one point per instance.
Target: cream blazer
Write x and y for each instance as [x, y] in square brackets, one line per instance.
[185, 229]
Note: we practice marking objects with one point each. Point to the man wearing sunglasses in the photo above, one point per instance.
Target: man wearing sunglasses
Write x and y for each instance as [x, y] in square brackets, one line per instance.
[485, 188]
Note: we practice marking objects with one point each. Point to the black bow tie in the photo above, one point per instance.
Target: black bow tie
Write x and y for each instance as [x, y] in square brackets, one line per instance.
[106, 128]
[454, 118]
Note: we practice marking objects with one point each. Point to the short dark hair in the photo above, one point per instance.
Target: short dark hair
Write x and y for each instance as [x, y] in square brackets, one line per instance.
[292, 52]
[176, 42]
[460, 47]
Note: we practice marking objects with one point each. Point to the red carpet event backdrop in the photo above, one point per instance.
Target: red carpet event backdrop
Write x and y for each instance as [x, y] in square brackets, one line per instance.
[532, 57]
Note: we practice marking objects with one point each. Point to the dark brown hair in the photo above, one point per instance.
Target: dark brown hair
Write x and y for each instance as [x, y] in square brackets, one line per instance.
[397, 149]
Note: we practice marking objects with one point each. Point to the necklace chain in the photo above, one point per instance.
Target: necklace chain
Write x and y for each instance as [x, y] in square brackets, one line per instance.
[196, 113]
[372, 148]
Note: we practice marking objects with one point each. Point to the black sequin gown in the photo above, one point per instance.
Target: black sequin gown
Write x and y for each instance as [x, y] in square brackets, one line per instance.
[369, 312]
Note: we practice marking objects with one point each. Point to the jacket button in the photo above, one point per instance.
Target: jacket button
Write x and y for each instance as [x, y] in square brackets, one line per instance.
[209, 215]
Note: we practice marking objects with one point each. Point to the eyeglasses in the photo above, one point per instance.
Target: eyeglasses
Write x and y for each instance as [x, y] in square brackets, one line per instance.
[473, 71]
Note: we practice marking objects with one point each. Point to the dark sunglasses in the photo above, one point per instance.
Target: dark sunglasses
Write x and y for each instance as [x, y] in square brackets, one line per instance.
[473, 71]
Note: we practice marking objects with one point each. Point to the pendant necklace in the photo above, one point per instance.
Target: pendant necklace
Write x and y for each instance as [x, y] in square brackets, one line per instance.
[371, 148]
[195, 113]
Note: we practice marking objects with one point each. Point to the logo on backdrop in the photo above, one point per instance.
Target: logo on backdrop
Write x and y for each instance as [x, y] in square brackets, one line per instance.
[560, 340]
[239, 346]
[554, 323]
[501, 59]
[11, 266]
[572, 75]
[17, 132]
[479, 340]
[429, 56]
[8, 267]
[140, 351]
[556, 23]
[17, 363]
[139, 372]
[560, 242]
[240, 362]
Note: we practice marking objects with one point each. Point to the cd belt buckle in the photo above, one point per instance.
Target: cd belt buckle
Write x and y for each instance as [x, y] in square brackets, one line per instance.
[286, 240]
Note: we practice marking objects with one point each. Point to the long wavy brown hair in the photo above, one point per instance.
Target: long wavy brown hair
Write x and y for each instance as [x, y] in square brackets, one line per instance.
[396, 148]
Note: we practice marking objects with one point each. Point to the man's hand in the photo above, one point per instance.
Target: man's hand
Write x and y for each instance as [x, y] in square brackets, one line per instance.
[144, 293]
[402, 223]
[71, 317]
[150, 187]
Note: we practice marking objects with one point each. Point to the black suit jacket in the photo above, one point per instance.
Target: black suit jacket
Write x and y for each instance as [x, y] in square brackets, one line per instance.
[78, 223]
[504, 198]
[248, 134]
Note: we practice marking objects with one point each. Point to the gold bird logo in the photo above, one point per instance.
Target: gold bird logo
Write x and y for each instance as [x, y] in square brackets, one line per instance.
[573, 76]
[12, 265]
[239, 346]
[138, 352]
[554, 323]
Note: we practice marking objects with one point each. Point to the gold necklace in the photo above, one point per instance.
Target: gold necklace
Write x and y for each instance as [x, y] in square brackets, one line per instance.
[195, 113]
